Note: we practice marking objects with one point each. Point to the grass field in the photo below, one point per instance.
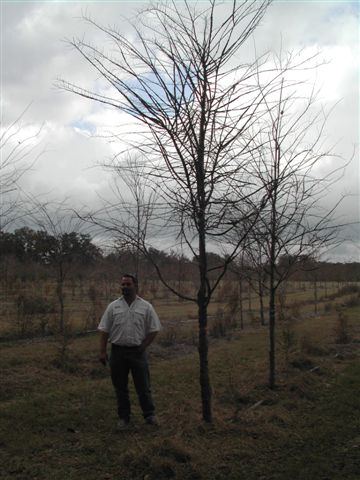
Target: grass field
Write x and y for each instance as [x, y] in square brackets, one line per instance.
[58, 423]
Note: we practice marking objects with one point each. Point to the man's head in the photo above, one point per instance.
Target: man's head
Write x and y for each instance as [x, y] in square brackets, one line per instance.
[129, 285]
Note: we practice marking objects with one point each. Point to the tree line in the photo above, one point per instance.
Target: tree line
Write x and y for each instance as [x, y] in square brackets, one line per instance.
[39, 246]
[28, 246]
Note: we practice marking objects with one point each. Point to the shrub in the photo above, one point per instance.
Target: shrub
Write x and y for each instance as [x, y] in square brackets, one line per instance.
[295, 309]
[353, 301]
[93, 294]
[168, 336]
[311, 347]
[347, 289]
[342, 331]
[288, 338]
[34, 305]
[328, 307]
[218, 328]
[91, 318]
[29, 309]
[223, 322]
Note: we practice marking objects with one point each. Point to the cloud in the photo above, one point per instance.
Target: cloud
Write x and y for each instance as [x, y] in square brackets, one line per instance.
[35, 52]
[67, 169]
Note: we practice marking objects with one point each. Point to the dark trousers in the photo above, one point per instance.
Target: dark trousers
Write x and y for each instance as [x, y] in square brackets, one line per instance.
[122, 361]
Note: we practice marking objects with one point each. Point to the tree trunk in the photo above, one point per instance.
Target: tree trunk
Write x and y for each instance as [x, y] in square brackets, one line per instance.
[241, 305]
[203, 293]
[60, 293]
[204, 367]
[315, 296]
[261, 299]
[202, 301]
[272, 258]
[249, 298]
[272, 338]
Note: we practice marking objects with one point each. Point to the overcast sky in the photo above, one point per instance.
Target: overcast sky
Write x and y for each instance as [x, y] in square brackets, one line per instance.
[34, 53]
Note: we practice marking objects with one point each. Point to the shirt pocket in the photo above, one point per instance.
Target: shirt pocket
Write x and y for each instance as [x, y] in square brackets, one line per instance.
[119, 318]
[139, 323]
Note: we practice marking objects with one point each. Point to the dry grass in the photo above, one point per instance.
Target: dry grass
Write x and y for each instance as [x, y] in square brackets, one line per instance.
[59, 423]
[86, 301]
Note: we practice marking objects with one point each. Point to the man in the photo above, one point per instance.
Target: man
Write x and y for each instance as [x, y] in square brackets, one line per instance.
[130, 324]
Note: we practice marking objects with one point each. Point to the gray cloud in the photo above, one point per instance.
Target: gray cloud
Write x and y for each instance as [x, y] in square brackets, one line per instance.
[34, 53]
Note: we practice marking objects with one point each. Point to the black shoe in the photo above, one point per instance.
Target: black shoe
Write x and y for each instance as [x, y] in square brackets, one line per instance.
[151, 420]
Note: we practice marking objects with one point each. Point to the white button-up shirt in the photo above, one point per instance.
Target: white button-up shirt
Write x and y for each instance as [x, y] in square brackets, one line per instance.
[129, 325]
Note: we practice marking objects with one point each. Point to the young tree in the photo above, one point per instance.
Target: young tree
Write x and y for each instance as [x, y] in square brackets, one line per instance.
[181, 78]
[59, 245]
[293, 224]
[130, 209]
[256, 272]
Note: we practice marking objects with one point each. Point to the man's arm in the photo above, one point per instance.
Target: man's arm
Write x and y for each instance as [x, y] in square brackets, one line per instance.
[147, 340]
[104, 336]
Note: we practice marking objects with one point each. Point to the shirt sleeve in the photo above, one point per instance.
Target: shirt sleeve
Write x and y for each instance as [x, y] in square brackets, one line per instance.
[154, 324]
[106, 320]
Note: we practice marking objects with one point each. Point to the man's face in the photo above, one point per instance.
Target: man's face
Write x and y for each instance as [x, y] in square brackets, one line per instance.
[128, 287]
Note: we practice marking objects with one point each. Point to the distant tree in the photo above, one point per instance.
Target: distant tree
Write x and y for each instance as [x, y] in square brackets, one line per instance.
[132, 208]
[238, 267]
[39, 246]
[60, 245]
[19, 151]
[7, 244]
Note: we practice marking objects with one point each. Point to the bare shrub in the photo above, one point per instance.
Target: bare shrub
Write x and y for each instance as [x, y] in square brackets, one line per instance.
[294, 309]
[288, 338]
[345, 290]
[63, 357]
[93, 315]
[328, 307]
[232, 308]
[218, 328]
[308, 345]
[33, 314]
[349, 289]
[35, 305]
[168, 336]
[224, 322]
[342, 330]
[252, 318]
[302, 362]
[154, 291]
[239, 394]
[223, 291]
[353, 301]
[92, 294]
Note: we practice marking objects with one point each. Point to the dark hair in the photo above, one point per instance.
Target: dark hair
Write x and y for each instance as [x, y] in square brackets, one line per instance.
[134, 278]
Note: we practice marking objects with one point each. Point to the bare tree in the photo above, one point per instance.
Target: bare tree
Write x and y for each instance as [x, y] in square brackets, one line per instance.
[61, 226]
[131, 207]
[18, 153]
[181, 78]
[294, 223]
[240, 268]
[256, 273]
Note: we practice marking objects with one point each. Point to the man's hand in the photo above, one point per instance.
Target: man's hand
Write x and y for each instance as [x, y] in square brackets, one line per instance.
[147, 341]
[103, 358]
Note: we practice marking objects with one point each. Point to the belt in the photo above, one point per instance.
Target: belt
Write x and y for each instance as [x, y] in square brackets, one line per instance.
[124, 347]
